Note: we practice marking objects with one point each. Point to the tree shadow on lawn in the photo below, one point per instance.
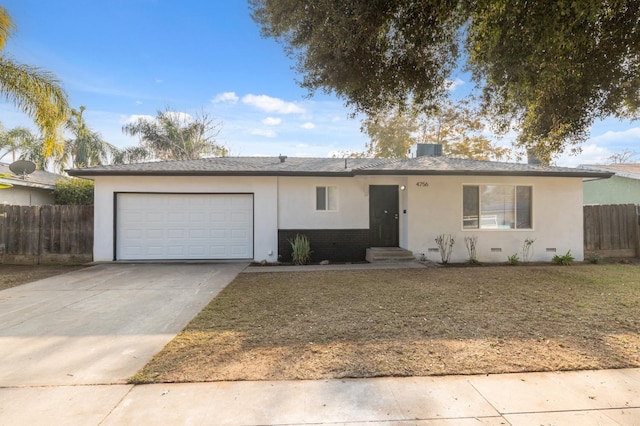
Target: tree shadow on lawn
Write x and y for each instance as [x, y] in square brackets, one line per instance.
[334, 324]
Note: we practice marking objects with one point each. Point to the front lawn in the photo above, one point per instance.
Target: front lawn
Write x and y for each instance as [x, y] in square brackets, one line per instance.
[409, 322]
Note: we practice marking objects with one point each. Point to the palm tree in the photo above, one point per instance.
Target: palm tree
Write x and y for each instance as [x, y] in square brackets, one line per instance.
[12, 140]
[131, 154]
[34, 91]
[175, 136]
[30, 148]
[86, 148]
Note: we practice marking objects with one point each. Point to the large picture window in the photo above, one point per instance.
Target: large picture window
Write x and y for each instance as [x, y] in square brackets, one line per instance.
[326, 198]
[496, 207]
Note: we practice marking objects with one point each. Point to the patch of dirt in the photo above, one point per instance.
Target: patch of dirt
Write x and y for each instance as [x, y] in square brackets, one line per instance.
[410, 322]
[14, 275]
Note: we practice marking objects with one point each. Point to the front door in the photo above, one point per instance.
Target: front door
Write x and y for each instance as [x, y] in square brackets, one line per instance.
[383, 216]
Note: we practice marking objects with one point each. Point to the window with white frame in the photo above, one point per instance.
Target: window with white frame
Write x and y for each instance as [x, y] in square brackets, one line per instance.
[496, 207]
[326, 198]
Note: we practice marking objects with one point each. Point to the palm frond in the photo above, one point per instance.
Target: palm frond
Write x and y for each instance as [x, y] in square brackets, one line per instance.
[6, 26]
[38, 94]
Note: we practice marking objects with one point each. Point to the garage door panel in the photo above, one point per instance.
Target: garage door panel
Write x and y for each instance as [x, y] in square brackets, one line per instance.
[184, 226]
[242, 203]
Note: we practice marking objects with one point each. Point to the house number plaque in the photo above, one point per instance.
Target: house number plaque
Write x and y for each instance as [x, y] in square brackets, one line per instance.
[423, 183]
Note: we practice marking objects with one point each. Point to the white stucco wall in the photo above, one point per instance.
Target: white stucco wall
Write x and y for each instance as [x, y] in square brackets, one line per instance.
[437, 209]
[425, 211]
[25, 196]
[263, 188]
[297, 203]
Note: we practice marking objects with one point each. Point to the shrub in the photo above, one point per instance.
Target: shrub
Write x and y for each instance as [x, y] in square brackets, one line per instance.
[527, 249]
[565, 259]
[470, 243]
[445, 244]
[301, 250]
[74, 191]
[594, 258]
[513, 259]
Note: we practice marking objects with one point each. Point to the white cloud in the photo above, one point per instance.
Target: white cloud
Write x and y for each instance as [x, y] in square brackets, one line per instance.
[453, 84]
[138, 102]
[179, 116]
[159, 80]
[228, 97]
[269, 104]
[308, 125]
[631, 135]
[135, 117]
[271, 121]
[590, 154]
[182, 117]
[267, 133]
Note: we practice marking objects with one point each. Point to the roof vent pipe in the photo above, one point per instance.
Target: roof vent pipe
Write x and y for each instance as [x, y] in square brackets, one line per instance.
[282, 158]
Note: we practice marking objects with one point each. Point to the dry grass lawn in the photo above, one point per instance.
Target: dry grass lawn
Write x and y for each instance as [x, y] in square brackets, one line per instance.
[14, 275]
[413, 322]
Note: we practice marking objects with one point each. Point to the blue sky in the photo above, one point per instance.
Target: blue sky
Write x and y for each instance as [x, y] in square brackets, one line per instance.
[127, 58]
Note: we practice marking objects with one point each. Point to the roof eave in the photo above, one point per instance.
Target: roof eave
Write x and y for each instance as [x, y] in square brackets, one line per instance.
[27, 184]
[577, 174]
[95, 173]
[346, 173]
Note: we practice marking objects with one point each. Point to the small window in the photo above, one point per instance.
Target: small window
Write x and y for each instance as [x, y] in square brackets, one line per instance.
[470, 207]
[496, 207]
[326, 198]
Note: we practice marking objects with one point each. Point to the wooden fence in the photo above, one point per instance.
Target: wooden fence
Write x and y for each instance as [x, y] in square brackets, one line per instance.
[612, 230]
[46, 234]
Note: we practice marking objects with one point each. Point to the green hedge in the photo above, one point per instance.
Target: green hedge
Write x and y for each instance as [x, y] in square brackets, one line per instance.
[74, 191]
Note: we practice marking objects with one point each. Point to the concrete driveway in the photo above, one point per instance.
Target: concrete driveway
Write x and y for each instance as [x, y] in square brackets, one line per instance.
[101, 324]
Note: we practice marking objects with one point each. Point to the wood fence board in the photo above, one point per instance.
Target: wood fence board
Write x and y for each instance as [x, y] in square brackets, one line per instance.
[612, 230]
[50, 232]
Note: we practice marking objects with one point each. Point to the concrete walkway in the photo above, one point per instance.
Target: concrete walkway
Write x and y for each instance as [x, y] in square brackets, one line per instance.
[608, 397]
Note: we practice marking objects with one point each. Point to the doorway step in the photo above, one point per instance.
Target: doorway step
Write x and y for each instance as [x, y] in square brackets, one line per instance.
[388, 255]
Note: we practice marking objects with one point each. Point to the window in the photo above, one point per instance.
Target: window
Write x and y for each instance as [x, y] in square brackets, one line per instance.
[326, 198]
[496, 207]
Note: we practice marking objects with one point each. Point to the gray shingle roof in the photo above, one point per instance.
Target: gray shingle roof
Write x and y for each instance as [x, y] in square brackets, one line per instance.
[628, 170]
[38, 178]
[302, 166]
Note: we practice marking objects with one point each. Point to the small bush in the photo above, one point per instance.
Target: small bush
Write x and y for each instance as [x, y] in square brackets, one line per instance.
[594, 258]
[301, 250]
[565, 259]
[74, 191]
[445, 245]
[471, 243]
[527, 249]
[513, 259]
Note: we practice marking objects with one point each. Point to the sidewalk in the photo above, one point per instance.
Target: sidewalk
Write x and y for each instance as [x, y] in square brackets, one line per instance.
[606, 397]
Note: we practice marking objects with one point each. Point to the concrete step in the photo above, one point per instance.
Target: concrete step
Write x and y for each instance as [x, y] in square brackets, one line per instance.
[388, 255]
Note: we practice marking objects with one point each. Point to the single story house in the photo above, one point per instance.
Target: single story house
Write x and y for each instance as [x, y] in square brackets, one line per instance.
[29, 190]
[622, 188]
[249, 207]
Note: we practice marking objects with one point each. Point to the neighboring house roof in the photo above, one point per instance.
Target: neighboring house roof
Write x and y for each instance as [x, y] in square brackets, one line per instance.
[37, 179]
[300, 166]
[628, 170]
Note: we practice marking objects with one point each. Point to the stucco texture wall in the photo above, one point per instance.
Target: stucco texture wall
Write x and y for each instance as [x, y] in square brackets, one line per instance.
[429, 206]
[435, 207]
[24, 196]
[615, 190]
[263, 188]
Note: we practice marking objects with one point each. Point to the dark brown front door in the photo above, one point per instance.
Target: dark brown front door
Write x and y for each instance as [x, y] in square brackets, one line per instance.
[383, 216]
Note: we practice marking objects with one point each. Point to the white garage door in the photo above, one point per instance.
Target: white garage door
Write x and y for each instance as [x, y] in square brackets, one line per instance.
[184, 226]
